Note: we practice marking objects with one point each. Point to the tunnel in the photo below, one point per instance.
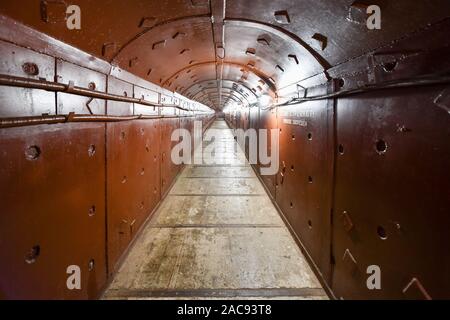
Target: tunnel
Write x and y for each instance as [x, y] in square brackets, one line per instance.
[225, 149]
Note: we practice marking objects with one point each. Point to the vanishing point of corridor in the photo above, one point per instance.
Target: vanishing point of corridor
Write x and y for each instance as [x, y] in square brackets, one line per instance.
[216, 235]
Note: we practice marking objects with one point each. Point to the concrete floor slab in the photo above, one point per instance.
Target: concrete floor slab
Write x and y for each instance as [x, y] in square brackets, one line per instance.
[215, 258]
[217, 186]
[217, 210]
[218, 172]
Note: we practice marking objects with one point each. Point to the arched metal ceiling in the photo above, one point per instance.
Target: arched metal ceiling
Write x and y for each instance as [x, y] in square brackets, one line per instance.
[219, 51]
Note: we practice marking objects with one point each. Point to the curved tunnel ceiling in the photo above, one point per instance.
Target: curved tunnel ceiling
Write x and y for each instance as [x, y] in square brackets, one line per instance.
[226, 51]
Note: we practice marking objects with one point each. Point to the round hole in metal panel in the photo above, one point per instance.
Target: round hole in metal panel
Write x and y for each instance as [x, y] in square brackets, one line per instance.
[30, 68]
[91, 264]
[381, 233]
[124, 179]
[309, 136]
[32, 152]
[122, 135]
[390, 66]
[33, 254]
[310, 224]
[310, 179]
[291, 205]
[91, 150]
[381, 146]
[341, 149]
[91, 211]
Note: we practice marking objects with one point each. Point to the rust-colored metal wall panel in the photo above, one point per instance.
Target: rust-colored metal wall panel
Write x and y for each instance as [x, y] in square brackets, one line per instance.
[392, 195]
[187, 123]
[268, 121]
[133, 181]
[169, 170]
[304, 182]
[81, 77]
[53, 210]
[17, 61]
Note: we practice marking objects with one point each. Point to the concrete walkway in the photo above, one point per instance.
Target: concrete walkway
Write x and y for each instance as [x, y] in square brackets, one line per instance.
[216, 235]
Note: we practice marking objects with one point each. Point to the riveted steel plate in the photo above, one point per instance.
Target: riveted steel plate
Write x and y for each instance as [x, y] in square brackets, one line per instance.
[52, 182]
[391, 202]
[304, 189]
[133, 180]
[169, 169]
[268, 121]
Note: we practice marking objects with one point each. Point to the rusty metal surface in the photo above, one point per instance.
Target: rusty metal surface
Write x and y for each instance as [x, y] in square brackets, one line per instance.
[385, 207]
[169, 170]
[65, 168]
[392, 185]
[60, 170]
[133, 181]
[268, 121]
[304, 182]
